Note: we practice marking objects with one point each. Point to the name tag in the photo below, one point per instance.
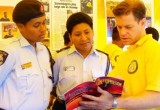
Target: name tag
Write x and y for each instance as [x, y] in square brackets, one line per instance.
[26, 65]
[69, 68]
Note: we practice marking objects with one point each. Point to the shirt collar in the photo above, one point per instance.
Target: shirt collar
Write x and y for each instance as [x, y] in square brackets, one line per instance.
[141, 41]
[73, 49]
[25, 43]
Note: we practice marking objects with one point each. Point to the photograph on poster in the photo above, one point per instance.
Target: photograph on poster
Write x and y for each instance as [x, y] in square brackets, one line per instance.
[6, 13]
[9, 30]
[46, 6]
[69, 13]
[87, 6]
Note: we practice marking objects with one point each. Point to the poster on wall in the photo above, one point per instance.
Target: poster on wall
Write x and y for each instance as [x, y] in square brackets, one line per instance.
[6, 13]
[61, 10]
[47, 9]
[9, 30]
[110, 4]
[7, 27]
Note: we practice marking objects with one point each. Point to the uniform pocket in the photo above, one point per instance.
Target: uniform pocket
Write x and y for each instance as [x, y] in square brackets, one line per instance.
[25, 79]
[67, 80]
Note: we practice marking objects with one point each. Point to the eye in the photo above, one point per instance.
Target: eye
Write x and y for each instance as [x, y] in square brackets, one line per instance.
[87, 32]
[119, 27]
[36, 25]
[128, 27]
[77, 34]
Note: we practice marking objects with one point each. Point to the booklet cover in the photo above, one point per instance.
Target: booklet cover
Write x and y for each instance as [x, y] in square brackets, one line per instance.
[110, 84]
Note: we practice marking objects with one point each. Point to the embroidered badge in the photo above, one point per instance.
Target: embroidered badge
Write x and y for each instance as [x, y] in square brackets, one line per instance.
[69, 68]
[3, 56]
[116, 57]
[26, 65]
[133, 66]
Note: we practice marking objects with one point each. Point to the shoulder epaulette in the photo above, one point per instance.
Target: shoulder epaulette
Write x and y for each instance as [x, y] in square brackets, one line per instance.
[65, 48]
[102, 52]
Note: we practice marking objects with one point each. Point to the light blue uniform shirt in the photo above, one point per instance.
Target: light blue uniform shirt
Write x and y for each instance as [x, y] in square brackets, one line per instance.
[24, 82]
[71, 69]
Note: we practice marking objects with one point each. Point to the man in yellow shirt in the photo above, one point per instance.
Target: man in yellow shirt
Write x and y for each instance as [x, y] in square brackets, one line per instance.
[138, 66]
[114, 49]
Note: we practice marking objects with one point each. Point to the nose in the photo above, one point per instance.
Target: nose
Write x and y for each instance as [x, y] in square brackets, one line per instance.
[122, 31]
[43, 27]
[83, 36]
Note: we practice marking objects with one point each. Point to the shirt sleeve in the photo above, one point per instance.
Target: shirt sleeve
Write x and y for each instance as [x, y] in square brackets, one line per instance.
[6, 64]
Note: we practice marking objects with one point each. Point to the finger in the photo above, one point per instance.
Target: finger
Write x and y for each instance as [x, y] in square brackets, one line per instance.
[100, 90]
[90, 97]
[88, 104]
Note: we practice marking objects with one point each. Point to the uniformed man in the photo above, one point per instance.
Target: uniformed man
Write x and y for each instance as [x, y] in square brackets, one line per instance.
[24, 63]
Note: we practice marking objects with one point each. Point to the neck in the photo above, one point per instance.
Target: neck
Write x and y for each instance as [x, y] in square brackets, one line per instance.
[84, 53]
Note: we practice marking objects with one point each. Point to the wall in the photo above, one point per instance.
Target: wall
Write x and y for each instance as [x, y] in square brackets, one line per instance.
[156, 15]
[101, 25]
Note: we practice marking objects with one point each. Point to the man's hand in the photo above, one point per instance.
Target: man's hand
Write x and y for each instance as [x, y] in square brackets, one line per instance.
[105, 101]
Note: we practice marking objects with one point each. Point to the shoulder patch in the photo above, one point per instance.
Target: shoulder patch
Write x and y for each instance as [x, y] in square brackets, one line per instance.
[3, 56]
[102, 52]
[65, 48]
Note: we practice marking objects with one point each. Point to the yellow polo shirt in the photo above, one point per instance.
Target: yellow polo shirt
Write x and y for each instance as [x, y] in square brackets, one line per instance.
[113, 51]
[139, 67]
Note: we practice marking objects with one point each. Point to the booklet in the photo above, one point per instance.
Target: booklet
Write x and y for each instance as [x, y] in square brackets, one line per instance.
[110, 84]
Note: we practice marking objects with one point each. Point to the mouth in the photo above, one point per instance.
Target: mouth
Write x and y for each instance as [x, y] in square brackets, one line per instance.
[124, 39]
[42, 36]
[86, 43]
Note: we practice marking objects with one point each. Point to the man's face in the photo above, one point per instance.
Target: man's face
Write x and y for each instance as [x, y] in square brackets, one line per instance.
[130, 30]
[82, 37]
[34, 30]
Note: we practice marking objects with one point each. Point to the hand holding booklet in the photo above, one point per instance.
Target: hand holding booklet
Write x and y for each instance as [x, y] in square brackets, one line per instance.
[110, 84]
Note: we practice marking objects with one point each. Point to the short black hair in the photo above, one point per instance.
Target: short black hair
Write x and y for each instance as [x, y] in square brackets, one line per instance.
[78, 18]
[115, 34]
[66, 38]
[154, 32]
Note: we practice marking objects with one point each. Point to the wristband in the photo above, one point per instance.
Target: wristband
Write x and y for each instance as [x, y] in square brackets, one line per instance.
[114, 104]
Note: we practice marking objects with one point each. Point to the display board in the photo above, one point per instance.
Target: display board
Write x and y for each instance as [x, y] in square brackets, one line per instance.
[61, 10]
[57, 13]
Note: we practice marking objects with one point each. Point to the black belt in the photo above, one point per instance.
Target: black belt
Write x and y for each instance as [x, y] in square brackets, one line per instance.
[60, 100]
[59, 104]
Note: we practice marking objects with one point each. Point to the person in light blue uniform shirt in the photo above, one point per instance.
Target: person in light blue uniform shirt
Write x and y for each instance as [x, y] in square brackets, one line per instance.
[24, 63]
[81, 62]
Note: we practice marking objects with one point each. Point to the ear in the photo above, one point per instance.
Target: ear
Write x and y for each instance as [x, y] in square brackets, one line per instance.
[143, 22]
[20, 26]
[70, 36]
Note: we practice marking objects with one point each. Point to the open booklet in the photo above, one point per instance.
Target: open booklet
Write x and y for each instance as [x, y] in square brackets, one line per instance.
[110, 84]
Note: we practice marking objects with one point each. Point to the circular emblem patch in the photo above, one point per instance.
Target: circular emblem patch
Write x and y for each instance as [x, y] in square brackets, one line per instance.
[133, 66]
[3, 56]
[116, 57]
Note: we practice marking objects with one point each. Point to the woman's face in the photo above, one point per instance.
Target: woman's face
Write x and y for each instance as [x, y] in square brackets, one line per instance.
[82, 37]
[35, 30]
